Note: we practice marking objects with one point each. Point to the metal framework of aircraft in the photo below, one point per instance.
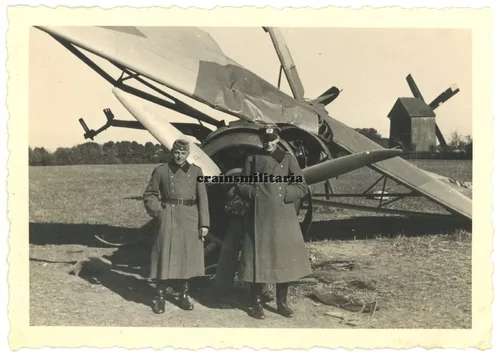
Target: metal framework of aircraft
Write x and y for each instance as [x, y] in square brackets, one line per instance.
[188, 61]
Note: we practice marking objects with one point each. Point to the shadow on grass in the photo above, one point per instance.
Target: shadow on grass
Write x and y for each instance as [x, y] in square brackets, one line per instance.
[132, 259]
[84, 234]
[141, 291]
[368, 227]
[201, 289]
[127, 287]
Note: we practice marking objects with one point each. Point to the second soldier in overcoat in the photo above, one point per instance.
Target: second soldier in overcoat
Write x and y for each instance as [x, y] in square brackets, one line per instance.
[273, 249]
[179, 203]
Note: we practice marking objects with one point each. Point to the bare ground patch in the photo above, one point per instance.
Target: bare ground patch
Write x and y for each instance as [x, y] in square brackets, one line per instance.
[422, 282]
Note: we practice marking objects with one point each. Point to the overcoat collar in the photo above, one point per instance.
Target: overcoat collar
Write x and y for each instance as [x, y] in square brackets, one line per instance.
[174, 167]
[278, 154]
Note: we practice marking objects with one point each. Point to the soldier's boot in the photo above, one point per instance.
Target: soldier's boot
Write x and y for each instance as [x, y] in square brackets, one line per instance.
[281, 300]
[257, 310]
[159, 300]
[184, 301]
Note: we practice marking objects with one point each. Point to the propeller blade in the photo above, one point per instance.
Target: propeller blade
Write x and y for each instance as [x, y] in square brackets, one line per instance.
[444, 96]
[327, 97]
[333, 168]
[164, 131]
[287, 63]
[414, 88]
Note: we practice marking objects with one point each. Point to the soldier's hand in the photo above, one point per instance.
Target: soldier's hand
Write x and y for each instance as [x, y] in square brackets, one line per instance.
[203, 233]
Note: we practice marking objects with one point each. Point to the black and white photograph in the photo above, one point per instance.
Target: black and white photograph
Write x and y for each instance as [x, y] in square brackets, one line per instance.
[298, 177]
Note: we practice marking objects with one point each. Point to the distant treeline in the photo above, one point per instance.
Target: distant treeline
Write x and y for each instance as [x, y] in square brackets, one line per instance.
[374, 136]
[459, 147]
[124, 152]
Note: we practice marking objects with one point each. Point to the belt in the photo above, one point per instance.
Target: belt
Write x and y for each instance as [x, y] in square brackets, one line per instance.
[179, 201]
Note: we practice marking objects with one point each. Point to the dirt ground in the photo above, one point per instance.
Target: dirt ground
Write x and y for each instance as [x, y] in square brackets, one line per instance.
[422, 282]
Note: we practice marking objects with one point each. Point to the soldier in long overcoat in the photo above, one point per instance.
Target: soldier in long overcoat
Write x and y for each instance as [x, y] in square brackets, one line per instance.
[179, 203]
[273, 249]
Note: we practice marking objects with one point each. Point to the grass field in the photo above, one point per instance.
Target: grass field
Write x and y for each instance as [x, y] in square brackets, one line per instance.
[418, 269]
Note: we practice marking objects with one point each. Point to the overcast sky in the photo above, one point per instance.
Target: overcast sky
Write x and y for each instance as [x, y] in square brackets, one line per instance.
[369, 65]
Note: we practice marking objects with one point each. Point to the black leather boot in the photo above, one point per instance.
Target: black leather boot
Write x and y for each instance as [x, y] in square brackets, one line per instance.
[281, 295]
[159, 300]
[184, 301]
[257, 310]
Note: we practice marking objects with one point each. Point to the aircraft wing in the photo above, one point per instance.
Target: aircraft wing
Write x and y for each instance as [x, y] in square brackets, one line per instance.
[402, 171]
[189, 61]
[464, 187]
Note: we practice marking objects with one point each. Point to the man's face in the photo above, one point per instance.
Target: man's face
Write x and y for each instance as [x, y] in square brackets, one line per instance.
[270, 146]
[179, 156]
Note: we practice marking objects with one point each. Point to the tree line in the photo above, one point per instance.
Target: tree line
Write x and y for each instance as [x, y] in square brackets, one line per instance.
[458, 145]
[90, 153]
[126, 152]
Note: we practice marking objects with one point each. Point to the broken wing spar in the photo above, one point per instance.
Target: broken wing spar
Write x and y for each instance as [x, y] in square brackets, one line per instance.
[287, 63]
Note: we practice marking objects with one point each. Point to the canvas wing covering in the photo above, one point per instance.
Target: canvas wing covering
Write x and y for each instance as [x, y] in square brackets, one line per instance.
[188, 60]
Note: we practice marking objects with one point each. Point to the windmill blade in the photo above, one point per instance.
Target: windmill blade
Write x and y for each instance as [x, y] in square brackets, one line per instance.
[444, 96]
[440, 137]
[287, 63]
[414, 88]
[438, 101]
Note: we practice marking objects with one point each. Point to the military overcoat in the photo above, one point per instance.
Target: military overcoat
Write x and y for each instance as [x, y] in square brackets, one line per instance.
[273, 249]
[178, 251]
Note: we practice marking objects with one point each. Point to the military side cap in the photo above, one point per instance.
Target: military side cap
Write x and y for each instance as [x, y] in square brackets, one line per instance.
[181, 145]
[270, 132]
